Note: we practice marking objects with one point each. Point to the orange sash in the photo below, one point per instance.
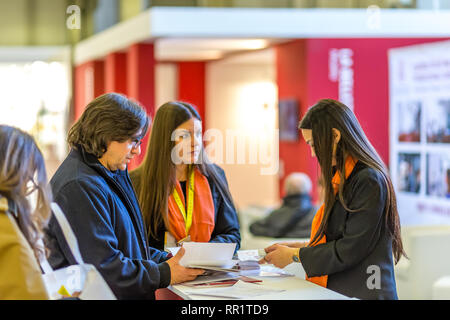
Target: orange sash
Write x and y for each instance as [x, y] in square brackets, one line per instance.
[203, 211]
[349, 165]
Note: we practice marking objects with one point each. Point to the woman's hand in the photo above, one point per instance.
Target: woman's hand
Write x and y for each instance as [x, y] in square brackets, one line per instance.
[279, 255]
[287, 244]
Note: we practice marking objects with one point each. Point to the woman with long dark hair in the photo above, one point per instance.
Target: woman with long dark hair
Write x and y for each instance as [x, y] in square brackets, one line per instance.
[355, 235]
[182, 195]
[24, 212]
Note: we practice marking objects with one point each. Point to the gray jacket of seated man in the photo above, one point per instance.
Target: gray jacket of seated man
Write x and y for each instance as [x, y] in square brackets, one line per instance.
[293, 219]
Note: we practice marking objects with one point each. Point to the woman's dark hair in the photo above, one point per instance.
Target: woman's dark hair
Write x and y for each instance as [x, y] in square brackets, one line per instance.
[158, 172]
[109, 117]
[321, 118]
[22, 171]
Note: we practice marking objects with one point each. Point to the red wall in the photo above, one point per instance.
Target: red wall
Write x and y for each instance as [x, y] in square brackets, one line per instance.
[141, 85]
[116, 72]
[302, 72]
[371, 82]
[191, 85]
[292, 82]
[89, 83]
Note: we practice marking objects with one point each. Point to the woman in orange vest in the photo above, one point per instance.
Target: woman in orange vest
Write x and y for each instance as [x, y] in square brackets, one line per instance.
[182, 195]
[355, 235]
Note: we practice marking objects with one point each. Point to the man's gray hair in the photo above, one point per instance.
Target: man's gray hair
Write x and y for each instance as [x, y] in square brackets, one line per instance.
[297, 182]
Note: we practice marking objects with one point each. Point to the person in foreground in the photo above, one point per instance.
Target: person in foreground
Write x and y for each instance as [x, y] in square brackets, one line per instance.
[355, 235]
[24, 211]
[182, 195]
[93, 188]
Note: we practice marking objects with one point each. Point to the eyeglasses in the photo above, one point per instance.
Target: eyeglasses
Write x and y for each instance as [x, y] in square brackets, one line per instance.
[135, 143]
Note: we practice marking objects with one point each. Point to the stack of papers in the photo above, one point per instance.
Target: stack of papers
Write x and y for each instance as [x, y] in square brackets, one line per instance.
[206, 255]
[219, 257]
[240, 290]
[219, 280]
[215, 277]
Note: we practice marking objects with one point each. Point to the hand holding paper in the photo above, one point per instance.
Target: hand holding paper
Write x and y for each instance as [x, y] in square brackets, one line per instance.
[280, 256]
[208, 254]
[179, 273]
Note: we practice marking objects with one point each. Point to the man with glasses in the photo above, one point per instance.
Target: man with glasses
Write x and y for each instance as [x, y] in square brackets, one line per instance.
[93, 189]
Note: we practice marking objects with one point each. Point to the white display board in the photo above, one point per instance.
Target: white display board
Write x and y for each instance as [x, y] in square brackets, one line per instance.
[419, 82]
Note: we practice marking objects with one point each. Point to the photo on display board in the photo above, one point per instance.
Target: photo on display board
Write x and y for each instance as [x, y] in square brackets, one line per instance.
[438, 122]
[409, 172]
[288, 119]
[438, 175]
[409, 121]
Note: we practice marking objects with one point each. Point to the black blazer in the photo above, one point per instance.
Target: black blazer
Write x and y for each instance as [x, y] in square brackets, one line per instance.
[358, 243]
[226, 228]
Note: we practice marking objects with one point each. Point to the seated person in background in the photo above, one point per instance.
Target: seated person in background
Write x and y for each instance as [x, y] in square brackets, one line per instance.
[293, 219]
[93, 188]
[24, 210]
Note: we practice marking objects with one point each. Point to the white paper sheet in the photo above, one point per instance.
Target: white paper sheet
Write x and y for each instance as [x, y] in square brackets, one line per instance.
[240, 290]
[272, 271]
[207, 254]
[251, 255]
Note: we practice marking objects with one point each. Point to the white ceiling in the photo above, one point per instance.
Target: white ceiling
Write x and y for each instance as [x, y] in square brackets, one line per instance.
[189, 49]
[211, 33]
[166, 50]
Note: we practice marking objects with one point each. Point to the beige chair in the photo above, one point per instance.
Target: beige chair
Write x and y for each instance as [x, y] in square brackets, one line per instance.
[427, 248]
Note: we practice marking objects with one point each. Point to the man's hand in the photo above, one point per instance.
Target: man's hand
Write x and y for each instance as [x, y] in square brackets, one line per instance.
[178, 273]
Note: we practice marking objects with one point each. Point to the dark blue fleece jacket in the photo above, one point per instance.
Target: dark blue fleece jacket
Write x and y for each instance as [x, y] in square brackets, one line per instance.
[104, 213]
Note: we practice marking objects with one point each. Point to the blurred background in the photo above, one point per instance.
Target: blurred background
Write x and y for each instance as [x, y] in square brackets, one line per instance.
[252, 68]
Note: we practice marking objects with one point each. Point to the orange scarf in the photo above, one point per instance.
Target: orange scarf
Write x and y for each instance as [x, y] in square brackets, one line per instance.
[349, 165]
[202, 215]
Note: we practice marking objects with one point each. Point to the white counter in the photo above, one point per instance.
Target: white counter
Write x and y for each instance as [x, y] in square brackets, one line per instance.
[295, 288]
